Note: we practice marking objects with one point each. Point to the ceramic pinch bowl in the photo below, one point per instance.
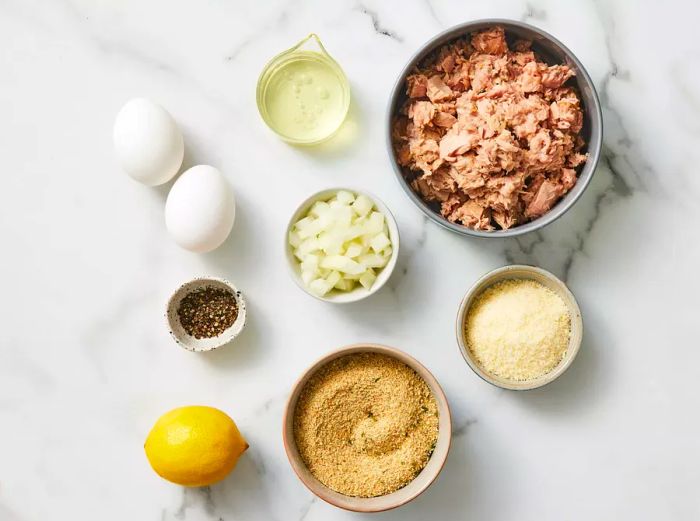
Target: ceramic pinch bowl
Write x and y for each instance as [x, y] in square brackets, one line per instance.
[420, 482]
[548, 280]
[198, 345]
[359, 293]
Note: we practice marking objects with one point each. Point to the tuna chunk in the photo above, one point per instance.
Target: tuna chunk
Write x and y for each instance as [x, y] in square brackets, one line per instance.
[437, 90]
[422, 113]
[448, 63]
[566, 115]
[568, 178]
[472, 215]
[455, 144]
[444, 119]
[545, 197]
[530, 79]
[417, 86]
[556, 75]
[491, 41]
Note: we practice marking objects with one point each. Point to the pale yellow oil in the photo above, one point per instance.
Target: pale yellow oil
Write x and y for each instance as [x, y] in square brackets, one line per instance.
[305, 98]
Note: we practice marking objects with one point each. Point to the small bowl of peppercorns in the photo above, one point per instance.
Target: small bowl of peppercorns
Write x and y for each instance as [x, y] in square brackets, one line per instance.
[205, 313]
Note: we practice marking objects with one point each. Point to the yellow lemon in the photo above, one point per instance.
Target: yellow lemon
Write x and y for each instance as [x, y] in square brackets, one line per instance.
[194, 446]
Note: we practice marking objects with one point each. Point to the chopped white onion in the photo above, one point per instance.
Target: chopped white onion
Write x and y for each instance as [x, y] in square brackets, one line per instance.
[341, 243]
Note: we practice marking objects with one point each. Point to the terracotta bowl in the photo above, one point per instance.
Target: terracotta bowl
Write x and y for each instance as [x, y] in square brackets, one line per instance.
[402, 496]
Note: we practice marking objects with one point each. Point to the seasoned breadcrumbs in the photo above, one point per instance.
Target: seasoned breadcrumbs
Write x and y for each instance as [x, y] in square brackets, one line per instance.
[366, 424]
[518, 329]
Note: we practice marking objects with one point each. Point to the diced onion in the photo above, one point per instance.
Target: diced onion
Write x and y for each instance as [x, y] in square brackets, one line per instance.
[341, 243]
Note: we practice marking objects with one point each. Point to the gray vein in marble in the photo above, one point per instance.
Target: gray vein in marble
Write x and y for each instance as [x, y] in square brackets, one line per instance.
[524, 250]
[306, 508]
[376, 23]
[423, 236]
[462, 428]
[618, 136]
[267, 404]
[238, 49]
[525, 246]
[193, 498]
[616, 189]
[125, 51]
[136, 55]
[532, 12]
[688, 92]
[260, 32]
[393, 286]
[433, 14]
[616, 156]
[258, 462]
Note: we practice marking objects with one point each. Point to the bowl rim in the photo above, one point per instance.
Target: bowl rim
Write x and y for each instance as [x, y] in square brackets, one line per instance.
[594, 146]
[493, 277]
[357, 504]
[216, 342]
[359, 293]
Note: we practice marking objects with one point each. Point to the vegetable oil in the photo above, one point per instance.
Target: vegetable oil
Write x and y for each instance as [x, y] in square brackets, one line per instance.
[303, 95]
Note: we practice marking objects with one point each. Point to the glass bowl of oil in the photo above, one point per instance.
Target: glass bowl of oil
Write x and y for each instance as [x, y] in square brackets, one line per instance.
[303, 95]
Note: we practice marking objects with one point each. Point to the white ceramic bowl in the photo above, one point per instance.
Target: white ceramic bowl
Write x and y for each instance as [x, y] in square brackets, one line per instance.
[549, 281]
[203, 344]
[359, 293]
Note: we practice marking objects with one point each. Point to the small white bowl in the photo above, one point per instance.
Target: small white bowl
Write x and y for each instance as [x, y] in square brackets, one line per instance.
[359, 293]
[189, 342]
[549, 281]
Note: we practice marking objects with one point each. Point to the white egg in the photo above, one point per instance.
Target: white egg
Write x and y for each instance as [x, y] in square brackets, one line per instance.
[200, 209]
[148, 142]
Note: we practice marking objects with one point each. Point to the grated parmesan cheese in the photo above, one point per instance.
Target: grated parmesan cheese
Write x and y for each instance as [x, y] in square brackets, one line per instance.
[518, 329]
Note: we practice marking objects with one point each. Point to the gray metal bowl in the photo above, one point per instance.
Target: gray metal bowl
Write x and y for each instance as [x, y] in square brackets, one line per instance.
[552, 51]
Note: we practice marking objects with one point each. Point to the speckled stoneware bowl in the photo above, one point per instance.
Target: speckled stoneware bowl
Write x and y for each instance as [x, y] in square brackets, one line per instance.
[402, 496]
[553, 52]
[203, 344]
[359, 293]
[546, 279]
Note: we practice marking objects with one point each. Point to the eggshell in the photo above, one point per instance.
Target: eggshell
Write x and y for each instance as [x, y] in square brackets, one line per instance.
[147, 142]
[200, 209]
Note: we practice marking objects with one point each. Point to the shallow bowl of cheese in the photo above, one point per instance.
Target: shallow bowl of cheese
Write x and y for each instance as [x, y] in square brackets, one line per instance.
[337, 261]
[522, 314]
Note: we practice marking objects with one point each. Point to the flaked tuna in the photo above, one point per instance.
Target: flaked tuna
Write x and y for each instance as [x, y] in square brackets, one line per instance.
[490, 135]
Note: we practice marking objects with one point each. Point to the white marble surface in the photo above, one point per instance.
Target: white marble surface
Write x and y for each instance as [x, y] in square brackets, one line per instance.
[87, 365]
